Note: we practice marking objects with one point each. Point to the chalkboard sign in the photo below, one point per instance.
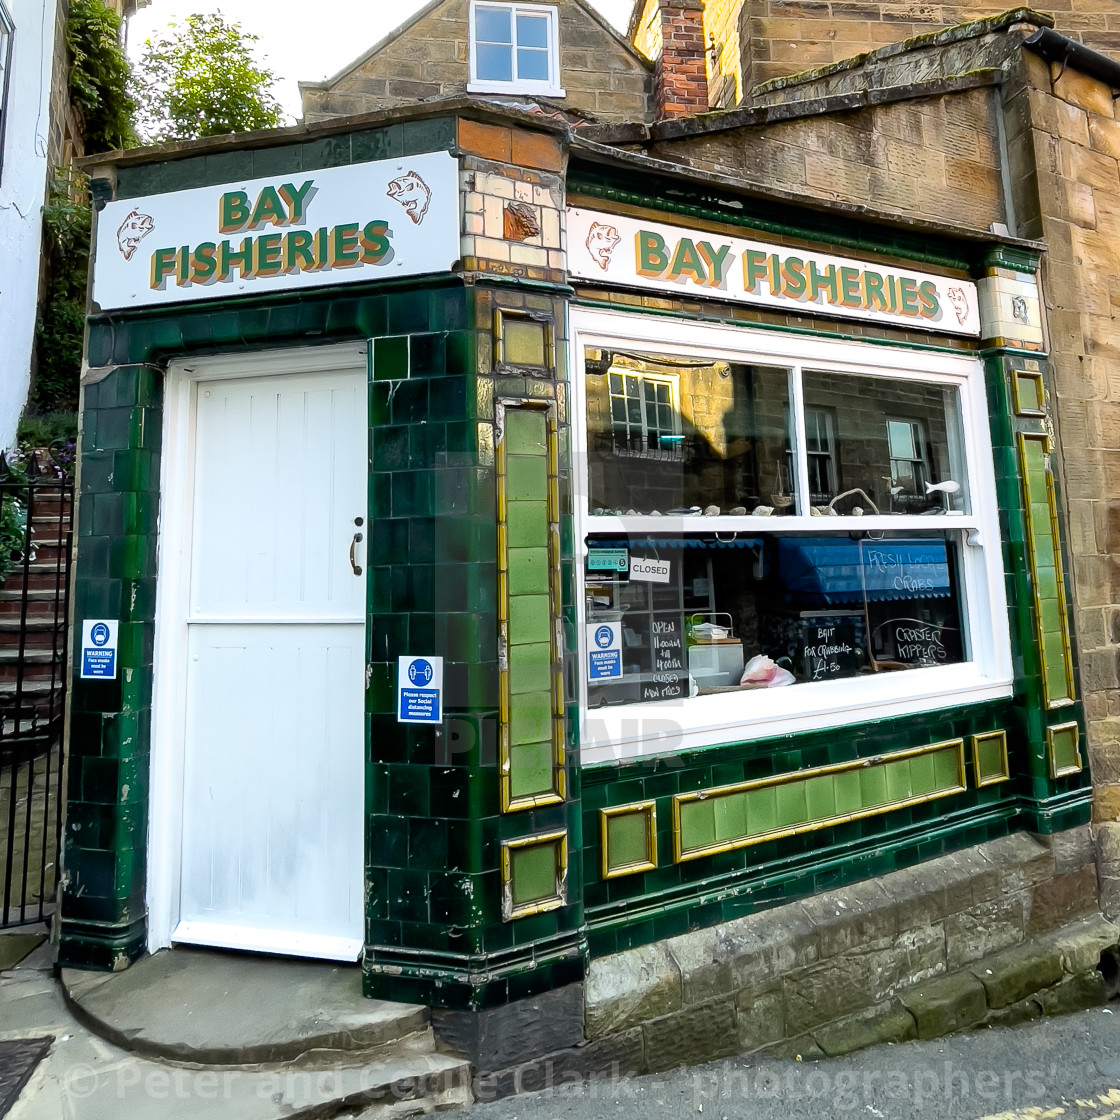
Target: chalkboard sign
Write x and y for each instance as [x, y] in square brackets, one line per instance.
[830, 650]
[669, 678]
[916, 641]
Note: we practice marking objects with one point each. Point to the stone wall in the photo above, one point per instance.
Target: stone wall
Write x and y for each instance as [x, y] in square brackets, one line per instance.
[936, 157]
[1069, 126]
[430, 58]
[787, 36]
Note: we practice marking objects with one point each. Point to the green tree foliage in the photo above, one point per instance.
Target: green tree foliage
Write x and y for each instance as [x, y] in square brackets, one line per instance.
[60, 330]
[202, 80]
[99, 76]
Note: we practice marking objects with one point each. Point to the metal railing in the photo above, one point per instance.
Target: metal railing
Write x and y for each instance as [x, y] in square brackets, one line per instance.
[36, 507]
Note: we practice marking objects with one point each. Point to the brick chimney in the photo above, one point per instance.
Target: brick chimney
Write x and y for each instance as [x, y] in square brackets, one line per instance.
[682, 69]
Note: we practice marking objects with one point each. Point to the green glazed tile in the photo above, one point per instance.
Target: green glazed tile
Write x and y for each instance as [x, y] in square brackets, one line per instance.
[791, 806]
[529, 669]
[529, 619]
[820, 797]
[1064, 748]
[1050, 617]
[730, 817]
[528, 524]
[627, 839]
[873, 786]
[525, 432]
[990, 758]
[527, 478]
[530, 769]
[698, 824]
[923, 778]
[845, 786]
[946, 767]
[897, 775]
[762, 810]
[528, 571]
[1047, 583]
[533, 872]
[390, 358]
[530, 719]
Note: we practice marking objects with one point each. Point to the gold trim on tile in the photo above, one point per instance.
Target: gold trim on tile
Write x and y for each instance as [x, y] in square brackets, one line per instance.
[541, 905]
[682, 856]
[649, 809]
[509, 803]
[1005, 773]
[1065, 771]
[1051, 699]
[1021, 408]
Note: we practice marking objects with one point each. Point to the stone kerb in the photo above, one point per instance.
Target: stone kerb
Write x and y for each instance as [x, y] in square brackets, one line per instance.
[880, 960]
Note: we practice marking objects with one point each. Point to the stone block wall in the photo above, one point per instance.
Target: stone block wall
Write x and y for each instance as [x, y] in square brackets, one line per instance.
[430, 57]
[936, 157]
[1068, 125]
[784, 37]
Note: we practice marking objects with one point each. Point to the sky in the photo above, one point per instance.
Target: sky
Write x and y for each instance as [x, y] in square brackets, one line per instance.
[316, 43]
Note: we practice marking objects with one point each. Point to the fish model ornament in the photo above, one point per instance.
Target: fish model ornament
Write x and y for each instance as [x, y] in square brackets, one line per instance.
[947, 487]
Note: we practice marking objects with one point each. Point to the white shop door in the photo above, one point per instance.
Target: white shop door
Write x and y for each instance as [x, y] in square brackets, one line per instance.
[273, 782]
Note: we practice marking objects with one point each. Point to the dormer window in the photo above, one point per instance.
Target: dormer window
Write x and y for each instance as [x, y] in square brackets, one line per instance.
[515, 48]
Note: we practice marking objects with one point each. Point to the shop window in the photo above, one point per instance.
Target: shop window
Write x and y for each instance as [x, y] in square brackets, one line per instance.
[772, 544]
[514, 48]
[7, 34]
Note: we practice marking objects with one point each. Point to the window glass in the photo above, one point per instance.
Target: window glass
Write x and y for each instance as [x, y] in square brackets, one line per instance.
[883, 445]
[513, 44]
[737, 612]
[493, 25]
[679, 436]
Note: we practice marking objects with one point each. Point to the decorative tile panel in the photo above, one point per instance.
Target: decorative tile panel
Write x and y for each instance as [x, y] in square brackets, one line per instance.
[531, 730]
[534, 875]
[722, 819]
[989, 758]
[1047, 581]
[628, 835]
[1027, 392]
[1063, 749]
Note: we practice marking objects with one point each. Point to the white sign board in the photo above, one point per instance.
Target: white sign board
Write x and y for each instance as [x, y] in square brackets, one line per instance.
[604, 651]
[614, 249]
[645, 570]
[419, 690]
[307, 229]
[99, 649]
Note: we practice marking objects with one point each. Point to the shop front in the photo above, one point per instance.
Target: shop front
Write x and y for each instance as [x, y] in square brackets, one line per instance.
[490, 602]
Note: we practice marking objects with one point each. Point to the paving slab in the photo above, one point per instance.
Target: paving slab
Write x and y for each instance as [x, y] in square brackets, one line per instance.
[228, 1008]
[15, 946]
[18, 1060]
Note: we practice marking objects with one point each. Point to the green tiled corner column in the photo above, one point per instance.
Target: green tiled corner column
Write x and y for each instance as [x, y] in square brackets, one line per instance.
[1031, 528]
[104, 852]
[438, 839]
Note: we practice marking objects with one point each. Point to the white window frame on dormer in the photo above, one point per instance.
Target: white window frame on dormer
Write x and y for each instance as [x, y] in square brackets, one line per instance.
[551, 87]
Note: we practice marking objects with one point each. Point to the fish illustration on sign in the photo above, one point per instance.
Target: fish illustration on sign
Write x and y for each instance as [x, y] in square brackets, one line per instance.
[412, 193]
[602, 240]
[133, 230]
[959, 299]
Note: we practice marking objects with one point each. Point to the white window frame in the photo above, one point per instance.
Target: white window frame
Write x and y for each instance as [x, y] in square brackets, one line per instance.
[630, 731]
[673, 383]
[550, 88]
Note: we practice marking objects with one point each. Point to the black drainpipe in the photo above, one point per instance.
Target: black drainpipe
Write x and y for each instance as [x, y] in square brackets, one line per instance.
[1055, 47]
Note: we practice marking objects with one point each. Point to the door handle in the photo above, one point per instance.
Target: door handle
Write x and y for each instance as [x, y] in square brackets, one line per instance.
[353, 562]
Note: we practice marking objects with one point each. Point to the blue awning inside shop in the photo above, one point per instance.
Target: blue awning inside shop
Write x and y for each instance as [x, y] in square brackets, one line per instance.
[636, 543]
[823, 571]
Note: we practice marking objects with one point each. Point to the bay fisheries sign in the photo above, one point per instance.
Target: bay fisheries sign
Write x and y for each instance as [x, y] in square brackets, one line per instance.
[339, 225]
[618, 250]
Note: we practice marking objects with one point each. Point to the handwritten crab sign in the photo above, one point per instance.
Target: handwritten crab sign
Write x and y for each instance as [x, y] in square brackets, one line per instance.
[618, 250]
[338, 225]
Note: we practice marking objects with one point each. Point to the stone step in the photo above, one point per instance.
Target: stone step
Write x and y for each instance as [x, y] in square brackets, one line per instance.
[210, 1007]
